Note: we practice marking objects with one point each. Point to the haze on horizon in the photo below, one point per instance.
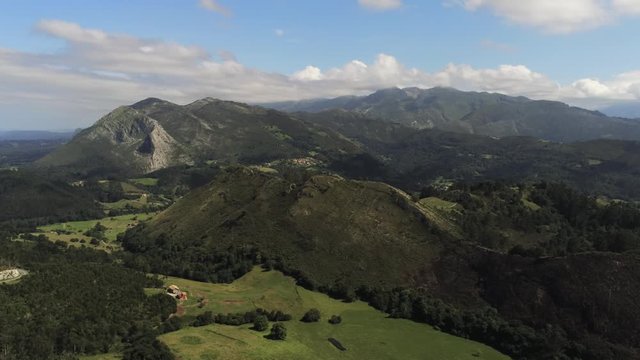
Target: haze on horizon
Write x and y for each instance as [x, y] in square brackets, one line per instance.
[63, 67]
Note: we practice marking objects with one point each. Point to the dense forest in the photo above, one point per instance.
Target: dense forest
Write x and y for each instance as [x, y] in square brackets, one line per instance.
[48, 200]
[544, 219]
[77, 301]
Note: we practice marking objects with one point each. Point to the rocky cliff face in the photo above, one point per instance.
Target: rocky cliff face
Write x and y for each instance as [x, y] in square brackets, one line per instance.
[128, 136]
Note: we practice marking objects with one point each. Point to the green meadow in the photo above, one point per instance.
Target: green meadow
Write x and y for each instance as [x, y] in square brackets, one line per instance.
[75, 229]
[364, 331]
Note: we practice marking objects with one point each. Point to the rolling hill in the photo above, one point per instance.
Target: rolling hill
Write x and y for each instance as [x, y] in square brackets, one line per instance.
[478, 113]
[324, 217]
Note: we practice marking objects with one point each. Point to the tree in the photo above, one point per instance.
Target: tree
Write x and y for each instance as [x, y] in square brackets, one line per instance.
[203, 319]
[261, 323]
[278, 332]
[335, 319]
[313, 315]
[98, 231]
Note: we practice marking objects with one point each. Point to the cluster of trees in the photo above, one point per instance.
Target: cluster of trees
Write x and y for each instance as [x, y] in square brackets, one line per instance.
[97, 232]
[237, 319]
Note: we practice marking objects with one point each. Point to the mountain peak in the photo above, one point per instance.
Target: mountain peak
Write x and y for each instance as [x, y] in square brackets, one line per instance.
[148, 102]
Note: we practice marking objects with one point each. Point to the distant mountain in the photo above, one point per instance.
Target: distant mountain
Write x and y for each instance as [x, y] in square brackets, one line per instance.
[23, 152]
[412, 159]
[627, 110]
[35, 135]
[477, 113]
[154, 134]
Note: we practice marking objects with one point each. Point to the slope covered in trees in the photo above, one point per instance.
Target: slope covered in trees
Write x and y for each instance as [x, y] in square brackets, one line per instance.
[474, 263]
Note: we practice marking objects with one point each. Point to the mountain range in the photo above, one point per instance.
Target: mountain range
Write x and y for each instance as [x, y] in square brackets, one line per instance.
[25, 135]
[155, 134]
[478, 113]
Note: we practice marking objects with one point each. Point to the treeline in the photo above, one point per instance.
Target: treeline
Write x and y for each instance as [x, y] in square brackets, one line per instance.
[237, 319]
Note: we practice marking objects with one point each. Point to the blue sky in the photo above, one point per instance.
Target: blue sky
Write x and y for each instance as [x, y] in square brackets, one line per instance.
[63, 66]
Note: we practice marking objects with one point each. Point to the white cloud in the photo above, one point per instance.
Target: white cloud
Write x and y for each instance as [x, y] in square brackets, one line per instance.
[96, 71]
[309, 73]
[380, 4]
[557, 16]
[214, 5]
[627, 6]
[497, 46]
[72, 32]
[591, 87]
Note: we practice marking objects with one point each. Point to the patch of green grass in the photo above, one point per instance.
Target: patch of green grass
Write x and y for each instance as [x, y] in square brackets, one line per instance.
[277, 133]
[131, 189]
[138, 203]
[76, 229]
[364, 331]
[440, 204]
[528, 203]
[145, 181]
[442, 213]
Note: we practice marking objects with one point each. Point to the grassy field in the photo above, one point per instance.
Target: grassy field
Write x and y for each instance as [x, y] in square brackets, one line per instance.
[441, 213]
[145, 181]
[138, 203]
[365, 332]
[75, 229]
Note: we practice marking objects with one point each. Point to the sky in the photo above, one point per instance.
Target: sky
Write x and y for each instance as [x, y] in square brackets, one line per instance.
[66, 63]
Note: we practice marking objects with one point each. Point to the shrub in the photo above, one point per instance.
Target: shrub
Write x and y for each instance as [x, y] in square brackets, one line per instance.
[261, 323]
[278, 332]
[313, 315]
[335, 319]
[204, 319]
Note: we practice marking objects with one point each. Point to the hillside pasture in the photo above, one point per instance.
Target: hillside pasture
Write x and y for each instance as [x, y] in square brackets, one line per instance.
[68, 232]
[365, 332]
